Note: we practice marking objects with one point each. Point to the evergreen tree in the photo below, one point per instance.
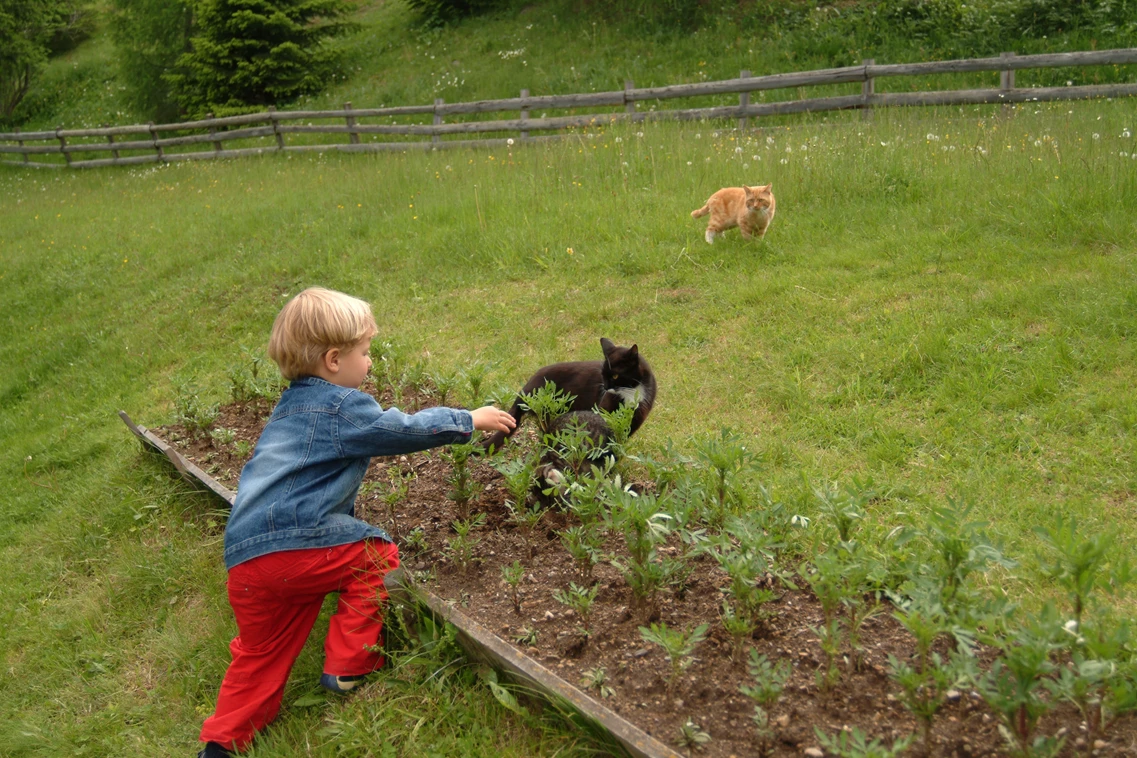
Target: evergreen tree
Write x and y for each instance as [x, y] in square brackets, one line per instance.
[150, 36]
[247, 54]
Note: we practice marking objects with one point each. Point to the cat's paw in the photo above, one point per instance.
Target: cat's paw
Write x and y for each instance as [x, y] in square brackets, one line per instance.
[710, 237]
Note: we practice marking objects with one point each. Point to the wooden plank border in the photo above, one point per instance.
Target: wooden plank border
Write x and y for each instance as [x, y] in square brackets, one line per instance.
[479, 642]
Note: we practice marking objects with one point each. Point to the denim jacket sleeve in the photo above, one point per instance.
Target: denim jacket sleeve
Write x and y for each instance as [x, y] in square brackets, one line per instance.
[364, 429]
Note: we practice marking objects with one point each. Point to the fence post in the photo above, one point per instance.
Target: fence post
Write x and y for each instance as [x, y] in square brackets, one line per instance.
[63, 145]
[213, 133]
[350, 119]
[20, 143]
[629, 105]
[743, 100]
[1007, 81]
[437, 118]
[110, 141]
[154, 140]
[868, 89]
[524, 114]
[275, 127]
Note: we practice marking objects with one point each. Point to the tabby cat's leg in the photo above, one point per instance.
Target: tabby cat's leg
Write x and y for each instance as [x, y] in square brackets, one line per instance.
[710, 236]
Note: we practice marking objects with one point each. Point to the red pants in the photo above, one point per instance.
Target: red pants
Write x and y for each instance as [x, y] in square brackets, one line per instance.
[276, 599]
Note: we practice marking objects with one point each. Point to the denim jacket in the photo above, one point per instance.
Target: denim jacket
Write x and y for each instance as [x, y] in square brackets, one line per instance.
[298, 490]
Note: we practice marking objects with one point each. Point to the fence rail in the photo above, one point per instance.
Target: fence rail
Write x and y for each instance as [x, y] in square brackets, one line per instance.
[214, 132]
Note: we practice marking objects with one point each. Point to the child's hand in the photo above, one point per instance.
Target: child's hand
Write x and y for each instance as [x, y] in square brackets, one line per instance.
[491, 419]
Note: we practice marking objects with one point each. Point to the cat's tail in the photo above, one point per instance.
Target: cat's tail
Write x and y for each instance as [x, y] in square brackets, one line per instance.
[701, 212]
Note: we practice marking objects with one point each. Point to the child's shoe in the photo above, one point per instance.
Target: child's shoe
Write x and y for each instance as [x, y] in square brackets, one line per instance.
[213, 750]
[341, 684]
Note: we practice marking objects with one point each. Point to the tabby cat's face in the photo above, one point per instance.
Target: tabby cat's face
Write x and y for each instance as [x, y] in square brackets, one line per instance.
[758, 199]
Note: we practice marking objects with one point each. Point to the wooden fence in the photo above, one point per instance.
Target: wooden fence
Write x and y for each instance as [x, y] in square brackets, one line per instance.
[212, 133]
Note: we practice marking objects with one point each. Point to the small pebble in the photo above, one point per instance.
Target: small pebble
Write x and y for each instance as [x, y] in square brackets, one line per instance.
[813, 752]
[549, 616]
[1100, 744]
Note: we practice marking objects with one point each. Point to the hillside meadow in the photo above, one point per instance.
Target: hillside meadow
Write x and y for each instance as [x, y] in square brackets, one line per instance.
[944, 305]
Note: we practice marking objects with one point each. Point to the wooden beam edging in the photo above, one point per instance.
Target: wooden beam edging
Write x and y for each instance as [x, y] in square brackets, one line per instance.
[478, 641]
[185, 467]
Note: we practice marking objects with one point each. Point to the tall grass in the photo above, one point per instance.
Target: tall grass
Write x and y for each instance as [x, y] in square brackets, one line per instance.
[944, 303]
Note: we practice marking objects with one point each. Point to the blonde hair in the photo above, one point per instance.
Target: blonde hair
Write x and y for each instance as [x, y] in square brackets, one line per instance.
[314, 322]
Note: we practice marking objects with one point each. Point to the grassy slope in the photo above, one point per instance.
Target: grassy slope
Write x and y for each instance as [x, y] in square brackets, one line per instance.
[949, 322]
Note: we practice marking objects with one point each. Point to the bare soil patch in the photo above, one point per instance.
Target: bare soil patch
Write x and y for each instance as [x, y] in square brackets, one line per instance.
[708, 693]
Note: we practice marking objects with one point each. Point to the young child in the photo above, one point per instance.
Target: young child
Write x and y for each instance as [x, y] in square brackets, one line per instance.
[292, 536]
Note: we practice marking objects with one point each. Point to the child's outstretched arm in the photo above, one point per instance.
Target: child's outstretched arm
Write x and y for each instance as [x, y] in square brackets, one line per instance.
[492, 419]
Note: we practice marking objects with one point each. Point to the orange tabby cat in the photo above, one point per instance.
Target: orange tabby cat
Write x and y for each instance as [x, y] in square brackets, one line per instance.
[751, 209]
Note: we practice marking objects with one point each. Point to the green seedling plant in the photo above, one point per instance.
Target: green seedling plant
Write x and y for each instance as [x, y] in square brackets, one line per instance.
[573, 445]
[512, 575]
[191, 411]
[961, 548]
[526, 637]
[475, 376]
[726, 461]
[1015, 684]
[443, 385]
[1079, 565]
[596, 680]
[583, 543]
[644, 526]
[769, 681]
[619, 423]
[462, 545]
[1100, 678]
[825, 577]
[676, 644]
[246, 382]
[546, 404]
[242, 448]
[222, 436]
[692, 737]
[843, 509]
[463, 487]
[855, 744]
[860, 604]
[739, 625]
[924, 683]
[398, 485]
[579, 599]
[415, 541]
[584, 495]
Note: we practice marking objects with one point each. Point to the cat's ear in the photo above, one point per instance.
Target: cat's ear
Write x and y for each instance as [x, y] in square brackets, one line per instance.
[607, 345]
[769, 187]
[747, 190]
[633, 351]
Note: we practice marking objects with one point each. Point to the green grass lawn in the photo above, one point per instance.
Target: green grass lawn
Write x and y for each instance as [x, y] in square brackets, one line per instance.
[945, 303]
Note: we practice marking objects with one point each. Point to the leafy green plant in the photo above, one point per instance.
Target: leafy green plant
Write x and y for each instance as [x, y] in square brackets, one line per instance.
[740, 627]
[676, 644]
[644, 526]
[583, 544]
[242, 448]
[1079, 565]
[415, 541]
[513, 574]
[246, 381]
[527, 637]
[475, 375]
[855, 744]
[463, 487]
[961, 548]
[924, 685]
[1100, 678]
[596, 679]
[1015, 684]
[443, 385]
[619, 423]
[692, 737]
[461, 546]
[769, 679]
[546, 403]
[580, 599]
[222, 436]
[826, 578]
[193, 412]
[726, 460]
[398, 485]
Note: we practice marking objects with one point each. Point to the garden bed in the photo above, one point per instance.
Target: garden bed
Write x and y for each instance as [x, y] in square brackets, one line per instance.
[701, 711]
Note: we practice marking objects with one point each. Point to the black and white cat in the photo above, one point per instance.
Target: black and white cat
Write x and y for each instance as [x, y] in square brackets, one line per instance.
[622, 377]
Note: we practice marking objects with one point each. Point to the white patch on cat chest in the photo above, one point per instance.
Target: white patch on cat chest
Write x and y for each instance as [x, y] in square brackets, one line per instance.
[630, 395]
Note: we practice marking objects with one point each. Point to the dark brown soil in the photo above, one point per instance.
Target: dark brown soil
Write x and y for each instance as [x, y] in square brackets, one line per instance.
[708, 691]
